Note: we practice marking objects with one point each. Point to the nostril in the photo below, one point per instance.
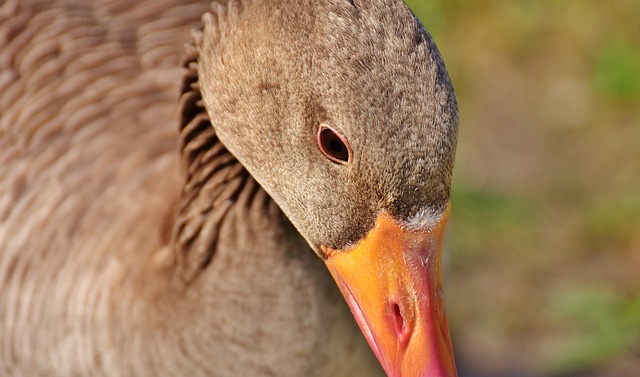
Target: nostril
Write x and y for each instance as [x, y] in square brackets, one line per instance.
[398, 320]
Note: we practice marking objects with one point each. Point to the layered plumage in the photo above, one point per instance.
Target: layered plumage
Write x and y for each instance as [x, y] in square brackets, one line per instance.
[132, 242]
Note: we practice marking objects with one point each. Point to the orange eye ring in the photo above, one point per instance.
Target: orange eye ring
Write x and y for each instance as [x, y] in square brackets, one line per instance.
[334, 146]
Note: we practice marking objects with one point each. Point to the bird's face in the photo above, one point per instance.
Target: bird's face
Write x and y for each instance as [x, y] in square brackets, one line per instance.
[344, 113]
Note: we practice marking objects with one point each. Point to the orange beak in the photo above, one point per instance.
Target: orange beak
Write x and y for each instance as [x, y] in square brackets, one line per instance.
[392, 282]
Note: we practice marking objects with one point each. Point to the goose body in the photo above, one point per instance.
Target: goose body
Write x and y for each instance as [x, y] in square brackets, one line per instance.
[142, 231]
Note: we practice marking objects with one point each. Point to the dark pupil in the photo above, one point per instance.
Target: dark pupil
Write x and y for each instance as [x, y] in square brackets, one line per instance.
[336, 146]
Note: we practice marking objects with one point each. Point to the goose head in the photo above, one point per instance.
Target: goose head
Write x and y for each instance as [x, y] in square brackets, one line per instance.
[344, 113]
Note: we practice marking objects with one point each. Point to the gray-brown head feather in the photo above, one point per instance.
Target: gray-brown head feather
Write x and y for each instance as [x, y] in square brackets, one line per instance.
[273, 71]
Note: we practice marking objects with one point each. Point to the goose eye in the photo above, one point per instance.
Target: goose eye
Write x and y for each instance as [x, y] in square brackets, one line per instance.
[333, 145]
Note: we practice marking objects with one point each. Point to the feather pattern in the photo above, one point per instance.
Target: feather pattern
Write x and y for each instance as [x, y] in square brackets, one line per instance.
[112, 263]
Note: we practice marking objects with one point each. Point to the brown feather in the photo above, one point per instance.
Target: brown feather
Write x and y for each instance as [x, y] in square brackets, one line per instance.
[111, 262]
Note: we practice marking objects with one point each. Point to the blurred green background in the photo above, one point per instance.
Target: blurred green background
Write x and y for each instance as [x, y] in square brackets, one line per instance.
[543, 269]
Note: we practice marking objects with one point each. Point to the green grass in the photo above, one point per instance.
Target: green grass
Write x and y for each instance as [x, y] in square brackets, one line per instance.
[617, 70]
[609, 324]
[490, 222]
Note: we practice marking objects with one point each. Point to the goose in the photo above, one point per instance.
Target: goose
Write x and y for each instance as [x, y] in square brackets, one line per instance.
[194, 188]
